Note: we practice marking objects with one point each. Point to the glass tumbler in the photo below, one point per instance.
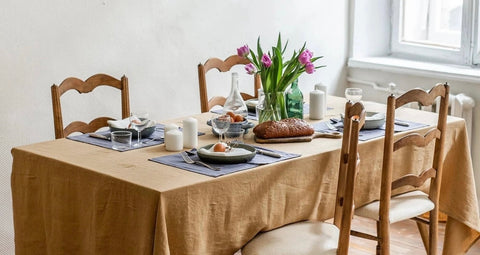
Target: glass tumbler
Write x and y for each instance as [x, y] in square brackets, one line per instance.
[121, 140]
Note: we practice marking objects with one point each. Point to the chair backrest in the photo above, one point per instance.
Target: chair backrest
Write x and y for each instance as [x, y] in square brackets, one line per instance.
[85, 87]
[348, 169]
[222, 66]
[437, 134]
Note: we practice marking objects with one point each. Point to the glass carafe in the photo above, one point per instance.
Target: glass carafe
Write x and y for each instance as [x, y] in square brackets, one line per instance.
[234, 102]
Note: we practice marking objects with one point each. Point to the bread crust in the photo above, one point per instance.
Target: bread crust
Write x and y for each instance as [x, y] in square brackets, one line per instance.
[290, 127]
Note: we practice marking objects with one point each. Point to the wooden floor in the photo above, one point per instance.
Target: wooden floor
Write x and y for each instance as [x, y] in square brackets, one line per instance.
[405, 239]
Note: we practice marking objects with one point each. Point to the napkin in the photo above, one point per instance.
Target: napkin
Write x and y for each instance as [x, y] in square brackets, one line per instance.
[125, 123]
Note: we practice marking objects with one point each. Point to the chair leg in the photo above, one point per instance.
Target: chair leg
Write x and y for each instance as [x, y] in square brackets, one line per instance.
[383, 234]
[379, 247]
[433, 235]
[422, 228]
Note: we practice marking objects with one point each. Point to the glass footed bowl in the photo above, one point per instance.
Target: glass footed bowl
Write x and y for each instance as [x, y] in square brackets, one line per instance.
[234, 126]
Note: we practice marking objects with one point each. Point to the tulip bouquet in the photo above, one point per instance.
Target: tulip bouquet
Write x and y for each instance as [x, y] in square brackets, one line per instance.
[276, 73]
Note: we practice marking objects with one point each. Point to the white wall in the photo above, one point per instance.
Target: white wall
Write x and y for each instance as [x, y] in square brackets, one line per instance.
[157, 44]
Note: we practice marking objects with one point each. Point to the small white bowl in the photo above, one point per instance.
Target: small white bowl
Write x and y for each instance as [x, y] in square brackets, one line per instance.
[374, 120]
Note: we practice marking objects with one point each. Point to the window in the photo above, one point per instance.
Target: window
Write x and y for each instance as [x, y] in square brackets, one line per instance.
[435, 30]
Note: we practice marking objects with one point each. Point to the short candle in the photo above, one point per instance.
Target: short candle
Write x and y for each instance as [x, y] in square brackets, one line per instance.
[174, 140]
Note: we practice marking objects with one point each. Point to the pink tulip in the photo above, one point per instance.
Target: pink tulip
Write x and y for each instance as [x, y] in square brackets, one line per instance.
[243, 51]
[250, 68]
[309, 68]
[305, 57]
[266, 61]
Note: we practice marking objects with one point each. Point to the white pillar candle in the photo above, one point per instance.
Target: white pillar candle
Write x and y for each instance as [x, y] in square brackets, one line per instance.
[317, 110]
[320, 86]
[174, 140]
[169, 127]
[190, 135]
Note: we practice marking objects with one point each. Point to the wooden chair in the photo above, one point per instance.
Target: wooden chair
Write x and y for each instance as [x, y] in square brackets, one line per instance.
[409, 205]
[318, 238]
[85, 87]
[222, 66]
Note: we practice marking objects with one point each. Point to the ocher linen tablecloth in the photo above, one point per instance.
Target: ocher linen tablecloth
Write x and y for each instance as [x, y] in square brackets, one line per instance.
[75, 198]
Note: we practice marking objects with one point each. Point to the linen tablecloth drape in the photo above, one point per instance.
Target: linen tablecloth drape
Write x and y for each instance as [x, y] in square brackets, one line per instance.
[75, 198]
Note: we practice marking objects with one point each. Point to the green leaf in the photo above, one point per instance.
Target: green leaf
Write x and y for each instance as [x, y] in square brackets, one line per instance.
[279, 41]
[279, 64]
[303, 47]
[268, 82]
[290, 77]
[259, 49]
[284, 48]
[254, 60]
[315, 59]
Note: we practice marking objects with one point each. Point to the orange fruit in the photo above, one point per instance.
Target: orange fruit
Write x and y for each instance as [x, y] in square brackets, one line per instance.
[219, 147]
[231, 114]
[238, 118]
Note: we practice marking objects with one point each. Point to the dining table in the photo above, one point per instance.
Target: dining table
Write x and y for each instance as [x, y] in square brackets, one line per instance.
[72, 197]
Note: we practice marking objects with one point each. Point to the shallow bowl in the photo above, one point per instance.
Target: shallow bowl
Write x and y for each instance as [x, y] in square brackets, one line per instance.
[226, 159]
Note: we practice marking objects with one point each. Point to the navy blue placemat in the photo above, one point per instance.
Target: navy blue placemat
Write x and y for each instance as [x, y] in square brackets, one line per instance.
[176, 160]
[156, 138]
[368, 134]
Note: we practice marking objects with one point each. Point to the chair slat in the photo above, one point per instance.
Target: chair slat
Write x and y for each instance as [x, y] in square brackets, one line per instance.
[82, 127]
[417, 139]
[225, 65]
[420, 96]
[414, 180]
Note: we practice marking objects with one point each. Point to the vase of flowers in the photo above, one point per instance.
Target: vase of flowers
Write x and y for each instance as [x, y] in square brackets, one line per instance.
[276, 75]
[271, 106]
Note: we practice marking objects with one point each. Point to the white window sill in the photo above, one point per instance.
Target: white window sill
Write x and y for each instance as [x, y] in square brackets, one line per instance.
[396, 65]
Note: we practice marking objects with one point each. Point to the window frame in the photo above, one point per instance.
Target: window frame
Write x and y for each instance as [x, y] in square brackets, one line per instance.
[468, 54]
[476, 32]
